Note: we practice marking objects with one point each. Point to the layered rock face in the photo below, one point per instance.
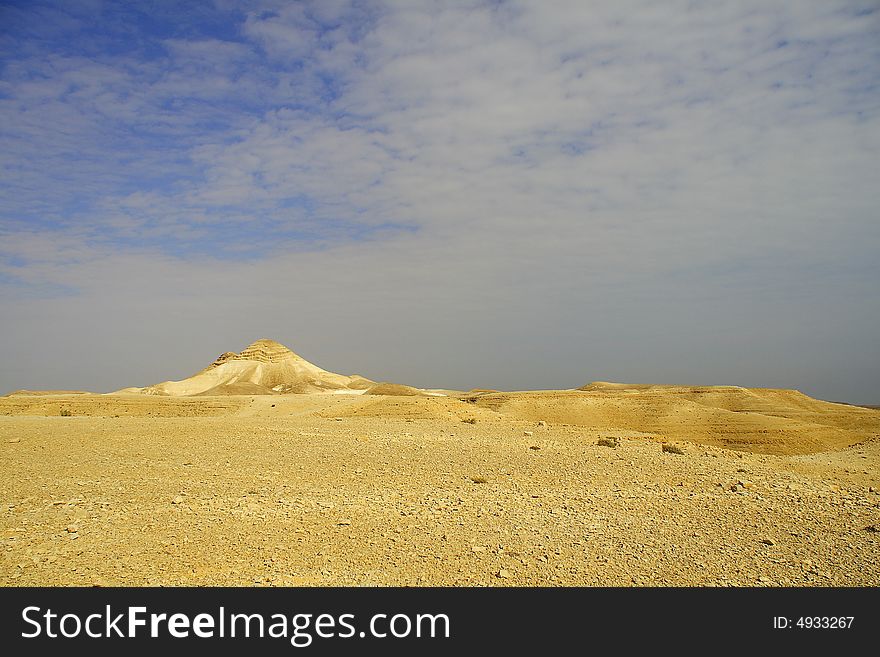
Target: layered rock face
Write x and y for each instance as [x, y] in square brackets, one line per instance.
[261, 351]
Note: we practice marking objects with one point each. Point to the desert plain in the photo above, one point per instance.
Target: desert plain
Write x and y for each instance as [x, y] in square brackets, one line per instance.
[265, 470]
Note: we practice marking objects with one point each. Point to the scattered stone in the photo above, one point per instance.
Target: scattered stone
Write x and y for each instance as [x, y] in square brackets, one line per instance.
[570, 508]
[14, 440]
[528, 433]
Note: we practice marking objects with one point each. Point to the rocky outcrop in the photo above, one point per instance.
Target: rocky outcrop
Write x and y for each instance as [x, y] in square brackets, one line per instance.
[263, 367]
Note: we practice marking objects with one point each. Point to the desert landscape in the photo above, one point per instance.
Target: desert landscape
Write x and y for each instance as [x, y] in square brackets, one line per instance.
[264, 469]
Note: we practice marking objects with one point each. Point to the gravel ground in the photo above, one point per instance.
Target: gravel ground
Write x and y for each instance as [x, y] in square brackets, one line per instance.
[307, 499]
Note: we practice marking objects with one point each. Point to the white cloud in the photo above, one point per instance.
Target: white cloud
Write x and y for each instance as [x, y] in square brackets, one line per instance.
[559, 176]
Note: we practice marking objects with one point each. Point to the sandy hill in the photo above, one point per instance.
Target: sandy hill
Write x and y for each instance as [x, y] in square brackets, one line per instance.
[754, 419]
[264, 367]
[393, 390]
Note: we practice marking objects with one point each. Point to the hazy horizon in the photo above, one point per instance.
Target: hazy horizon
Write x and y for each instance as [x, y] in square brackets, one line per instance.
[508, 195]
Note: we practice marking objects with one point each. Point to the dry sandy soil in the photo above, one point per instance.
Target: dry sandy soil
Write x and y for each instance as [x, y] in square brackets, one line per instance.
[497, 489]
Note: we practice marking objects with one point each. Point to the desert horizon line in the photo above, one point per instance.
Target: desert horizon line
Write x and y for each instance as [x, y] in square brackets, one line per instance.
[270, 343]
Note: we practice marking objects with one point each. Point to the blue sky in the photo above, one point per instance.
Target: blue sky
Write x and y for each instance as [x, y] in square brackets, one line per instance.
[504, 194]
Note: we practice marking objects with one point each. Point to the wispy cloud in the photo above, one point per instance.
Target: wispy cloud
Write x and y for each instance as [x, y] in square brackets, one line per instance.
[613, 188]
